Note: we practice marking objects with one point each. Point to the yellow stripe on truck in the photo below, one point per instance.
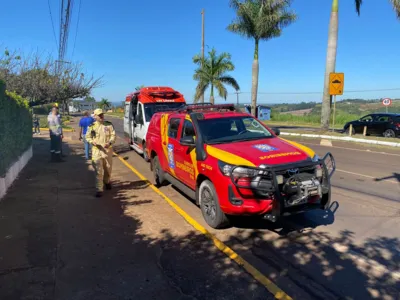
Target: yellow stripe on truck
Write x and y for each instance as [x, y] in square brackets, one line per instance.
[164, 137]
[227, 157]
[307, 150]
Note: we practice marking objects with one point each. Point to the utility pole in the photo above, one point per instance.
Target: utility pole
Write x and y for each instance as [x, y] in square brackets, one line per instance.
[202, 45]
[237, 97]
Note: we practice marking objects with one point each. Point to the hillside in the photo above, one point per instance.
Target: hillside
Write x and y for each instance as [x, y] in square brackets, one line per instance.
[346, 110]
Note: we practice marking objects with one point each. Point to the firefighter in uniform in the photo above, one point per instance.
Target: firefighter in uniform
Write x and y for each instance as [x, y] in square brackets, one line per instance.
[101, 135]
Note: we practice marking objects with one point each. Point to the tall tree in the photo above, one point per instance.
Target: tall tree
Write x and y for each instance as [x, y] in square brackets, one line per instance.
[41, 80]
[104, 103]
[260, 20]
[90, 99]
[212, 72]
[331, 55]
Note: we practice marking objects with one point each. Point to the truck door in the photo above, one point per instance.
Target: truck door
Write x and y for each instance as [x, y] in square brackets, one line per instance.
[127, 121]
[184, 156]
[140, 126]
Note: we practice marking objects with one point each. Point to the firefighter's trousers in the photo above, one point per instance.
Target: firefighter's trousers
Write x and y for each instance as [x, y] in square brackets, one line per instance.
[103, 168]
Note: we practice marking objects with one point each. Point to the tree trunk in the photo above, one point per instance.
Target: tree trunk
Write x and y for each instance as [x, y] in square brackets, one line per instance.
[330, 64]
[254, 80]
[212, 94]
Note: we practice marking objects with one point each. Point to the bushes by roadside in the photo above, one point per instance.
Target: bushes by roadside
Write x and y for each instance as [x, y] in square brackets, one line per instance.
[15, 127]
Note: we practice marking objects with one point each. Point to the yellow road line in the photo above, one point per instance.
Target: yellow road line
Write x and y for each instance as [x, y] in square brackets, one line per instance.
[265, 281]
[64, 129]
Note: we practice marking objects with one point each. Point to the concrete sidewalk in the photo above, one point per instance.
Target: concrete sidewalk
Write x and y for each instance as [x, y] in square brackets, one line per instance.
[57, 241]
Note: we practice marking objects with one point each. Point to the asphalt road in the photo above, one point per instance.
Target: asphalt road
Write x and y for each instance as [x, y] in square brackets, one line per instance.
[351, 251]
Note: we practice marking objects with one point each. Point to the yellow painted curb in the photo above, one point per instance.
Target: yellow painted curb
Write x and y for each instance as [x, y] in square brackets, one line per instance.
[265, 281]
[65, 130]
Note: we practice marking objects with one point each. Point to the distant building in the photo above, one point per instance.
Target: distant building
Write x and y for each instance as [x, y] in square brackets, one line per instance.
[80, 105]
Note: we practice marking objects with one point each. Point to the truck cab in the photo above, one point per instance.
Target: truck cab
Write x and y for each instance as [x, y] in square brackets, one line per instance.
[140, 107]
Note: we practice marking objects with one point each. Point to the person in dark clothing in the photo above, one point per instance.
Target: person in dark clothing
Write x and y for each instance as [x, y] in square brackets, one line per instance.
[84, 123]
[36, 126]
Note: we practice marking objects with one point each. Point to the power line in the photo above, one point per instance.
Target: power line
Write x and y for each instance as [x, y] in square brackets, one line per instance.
[77, 27]
[52, 24]
[309, 93]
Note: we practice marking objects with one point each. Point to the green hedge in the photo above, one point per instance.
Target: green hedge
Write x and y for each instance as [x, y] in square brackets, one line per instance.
[15, 128]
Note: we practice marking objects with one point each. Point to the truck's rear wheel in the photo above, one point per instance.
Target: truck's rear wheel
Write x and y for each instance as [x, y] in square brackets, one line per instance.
[209, 205]
[158, 172]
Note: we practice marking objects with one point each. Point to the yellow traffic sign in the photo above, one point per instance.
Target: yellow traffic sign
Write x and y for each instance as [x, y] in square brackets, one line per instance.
[336, 83]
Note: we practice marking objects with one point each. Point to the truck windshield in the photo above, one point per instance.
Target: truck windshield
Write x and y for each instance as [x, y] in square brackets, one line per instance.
[232, 129]
[151, 108]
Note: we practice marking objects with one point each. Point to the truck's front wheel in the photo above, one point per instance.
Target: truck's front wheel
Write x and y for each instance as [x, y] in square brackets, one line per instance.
[209, 205]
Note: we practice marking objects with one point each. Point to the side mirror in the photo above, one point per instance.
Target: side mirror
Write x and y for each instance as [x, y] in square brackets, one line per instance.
[187, 141]
[137, 119]
[276, 130]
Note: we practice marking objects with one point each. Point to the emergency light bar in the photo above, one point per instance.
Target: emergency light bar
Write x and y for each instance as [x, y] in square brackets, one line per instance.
[163, 94]
[188, 108]
[208, 106]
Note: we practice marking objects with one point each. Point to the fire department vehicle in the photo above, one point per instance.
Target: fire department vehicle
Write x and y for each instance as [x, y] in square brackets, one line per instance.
[140, 107]
[232, 164]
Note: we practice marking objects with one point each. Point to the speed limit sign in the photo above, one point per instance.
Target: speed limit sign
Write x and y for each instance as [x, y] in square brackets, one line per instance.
[387, 102]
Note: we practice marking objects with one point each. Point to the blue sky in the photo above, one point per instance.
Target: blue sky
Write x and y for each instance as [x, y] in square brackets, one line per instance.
[152, 42]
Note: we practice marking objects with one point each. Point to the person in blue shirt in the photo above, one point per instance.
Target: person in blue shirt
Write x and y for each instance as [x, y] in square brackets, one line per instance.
[84, 123]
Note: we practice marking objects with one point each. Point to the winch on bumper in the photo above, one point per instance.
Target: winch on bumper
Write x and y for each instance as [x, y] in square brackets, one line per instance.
[295, 187]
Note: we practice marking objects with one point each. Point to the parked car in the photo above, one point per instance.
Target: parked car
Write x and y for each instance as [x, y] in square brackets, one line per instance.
[386, 124]
[232, 164]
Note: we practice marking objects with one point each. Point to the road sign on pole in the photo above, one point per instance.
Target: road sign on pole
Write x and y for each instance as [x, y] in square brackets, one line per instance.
[336, 84]
[387, 102]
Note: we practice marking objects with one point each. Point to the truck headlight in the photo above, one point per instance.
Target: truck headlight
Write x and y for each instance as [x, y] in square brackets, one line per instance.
[226, 169]
[315, 158]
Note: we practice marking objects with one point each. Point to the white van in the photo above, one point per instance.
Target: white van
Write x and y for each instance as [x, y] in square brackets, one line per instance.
[140, 107]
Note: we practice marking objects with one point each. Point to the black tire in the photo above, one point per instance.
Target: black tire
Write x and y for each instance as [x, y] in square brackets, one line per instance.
[389, 133]
[158, 172]
[145, 156]
[209, 205]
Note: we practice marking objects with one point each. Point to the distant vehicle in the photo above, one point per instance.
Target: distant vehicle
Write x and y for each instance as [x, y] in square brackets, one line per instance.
[140, 107]
[232, 164]
[386, 124]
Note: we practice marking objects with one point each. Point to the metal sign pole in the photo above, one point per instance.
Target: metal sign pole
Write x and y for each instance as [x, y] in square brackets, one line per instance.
[334, 113]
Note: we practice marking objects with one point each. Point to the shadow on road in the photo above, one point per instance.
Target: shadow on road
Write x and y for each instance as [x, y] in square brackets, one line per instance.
[395, 176]
[59, 242]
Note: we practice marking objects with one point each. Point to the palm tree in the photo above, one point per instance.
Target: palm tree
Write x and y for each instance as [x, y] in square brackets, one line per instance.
[331, 55]
[260, 20]
[212, 73]
[104, 104]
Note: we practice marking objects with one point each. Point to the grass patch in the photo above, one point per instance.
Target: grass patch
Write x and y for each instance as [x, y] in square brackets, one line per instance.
[116, 114]
[66, 120]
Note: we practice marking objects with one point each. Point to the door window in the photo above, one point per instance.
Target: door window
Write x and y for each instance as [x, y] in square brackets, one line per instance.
[127, 110]
[384, 119]
[140, 113]
[188, 129]
[368, 118]
[173, 127]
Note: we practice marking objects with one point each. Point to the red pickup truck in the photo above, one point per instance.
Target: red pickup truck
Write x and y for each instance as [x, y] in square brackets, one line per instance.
[232, 164]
